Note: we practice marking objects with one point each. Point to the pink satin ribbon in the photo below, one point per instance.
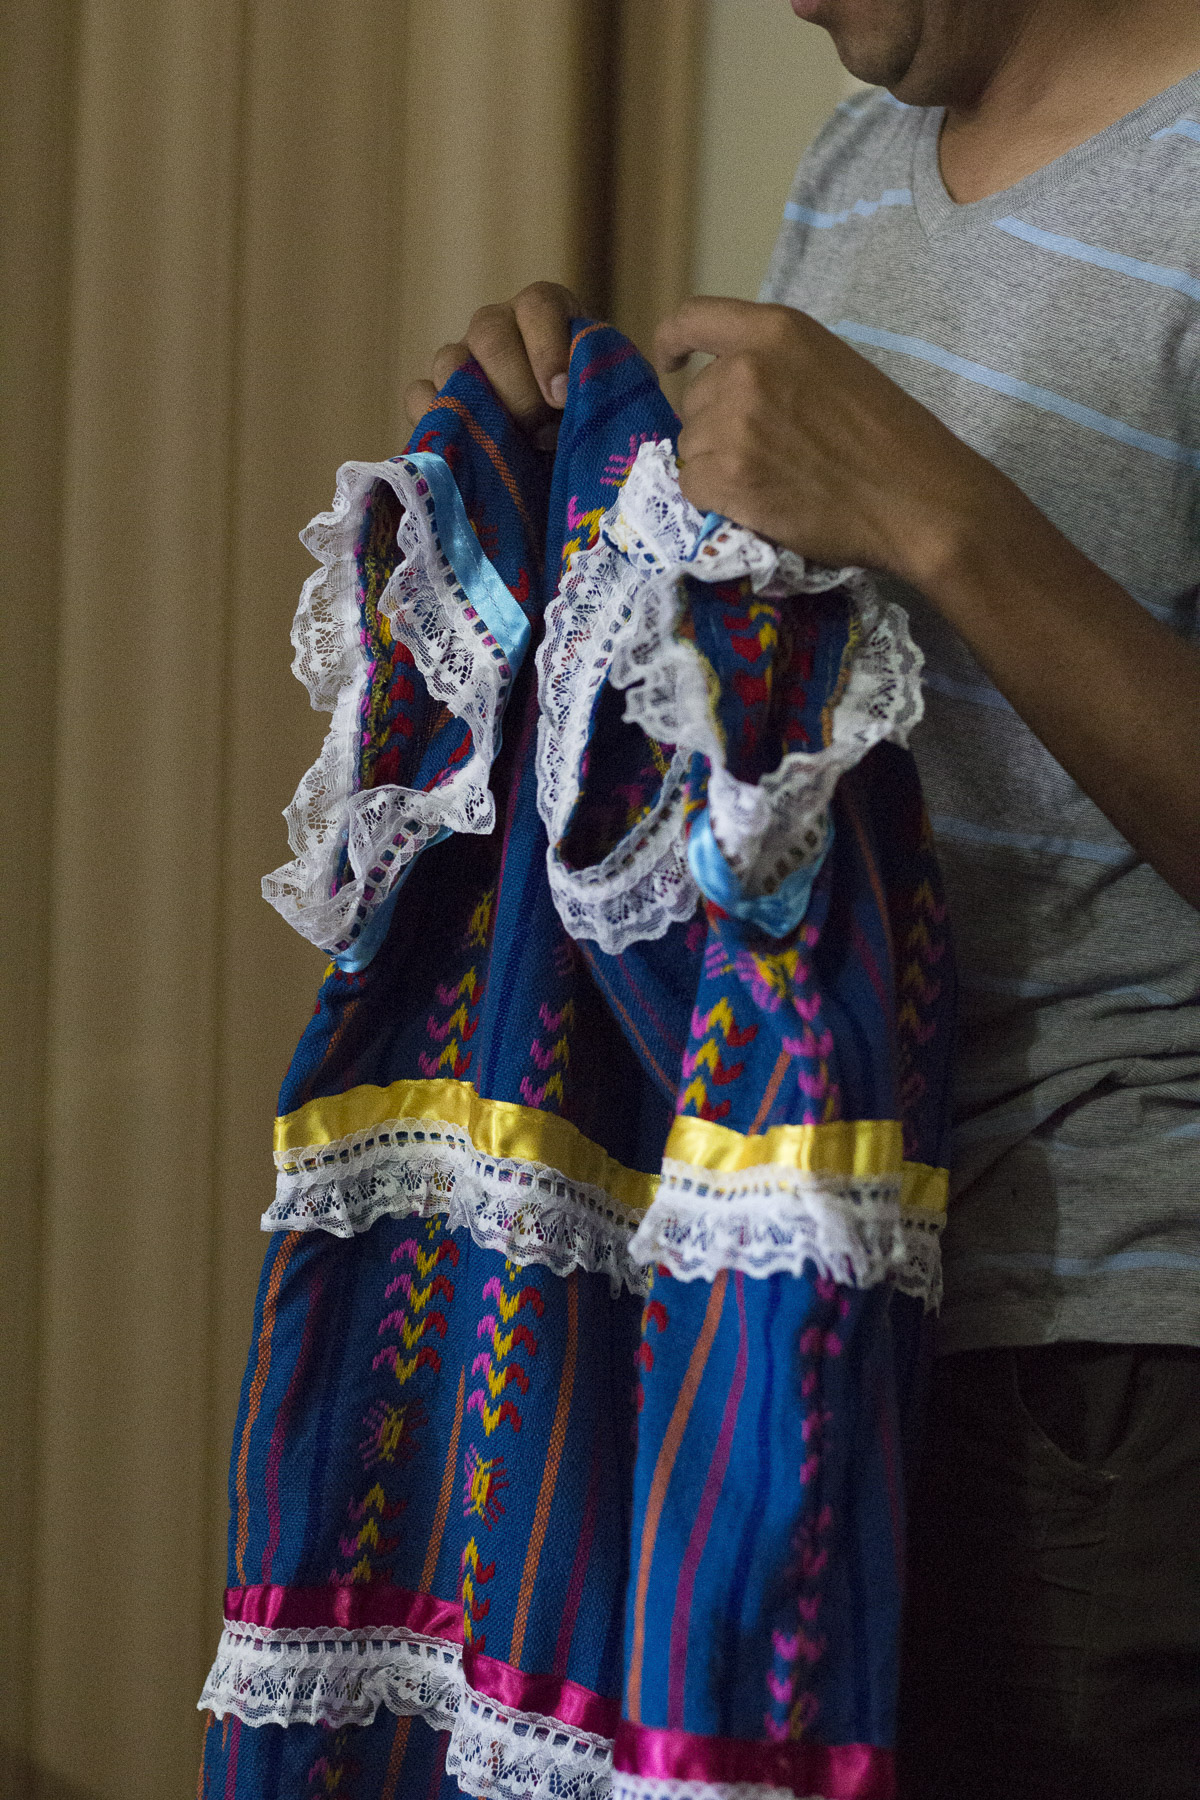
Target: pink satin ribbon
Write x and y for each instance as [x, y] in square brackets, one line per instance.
[349, 1608]
[364, 1608]
[839, 1771]
[545, 1694]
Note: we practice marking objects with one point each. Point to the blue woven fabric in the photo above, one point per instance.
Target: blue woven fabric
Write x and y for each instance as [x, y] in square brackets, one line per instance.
[665, 1514]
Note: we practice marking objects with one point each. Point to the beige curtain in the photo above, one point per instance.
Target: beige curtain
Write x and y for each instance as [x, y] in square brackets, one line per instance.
[232, 230]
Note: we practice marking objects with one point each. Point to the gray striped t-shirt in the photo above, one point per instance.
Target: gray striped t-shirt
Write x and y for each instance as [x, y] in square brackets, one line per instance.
[1055, 327]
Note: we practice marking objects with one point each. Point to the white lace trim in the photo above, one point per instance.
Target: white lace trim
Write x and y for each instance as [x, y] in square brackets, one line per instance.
[771, 1220]
[613, 619]
[655, 526]
[332, 1677]
[644, 885]
[336, 1677]
[508, 1755]
[764, 1220]
[339, 1677]
[382, 828]
[766, 829]
[426, 1167]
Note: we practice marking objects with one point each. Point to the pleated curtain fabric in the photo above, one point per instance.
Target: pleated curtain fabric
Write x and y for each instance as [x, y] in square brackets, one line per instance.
[233, 230]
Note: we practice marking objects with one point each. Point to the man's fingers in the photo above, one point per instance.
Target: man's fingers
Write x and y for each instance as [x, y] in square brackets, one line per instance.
[523, 347]
[446, 360]
[543, 312]
[495, 342]
[713, 325]
[418, 398]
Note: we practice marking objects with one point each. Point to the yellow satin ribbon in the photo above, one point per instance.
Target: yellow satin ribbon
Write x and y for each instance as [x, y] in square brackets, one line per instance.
[501, 1128]
[497, 1128]
[857, 1147]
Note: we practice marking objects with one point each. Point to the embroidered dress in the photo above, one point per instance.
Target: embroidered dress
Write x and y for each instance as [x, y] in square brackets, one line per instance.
[586, 1357]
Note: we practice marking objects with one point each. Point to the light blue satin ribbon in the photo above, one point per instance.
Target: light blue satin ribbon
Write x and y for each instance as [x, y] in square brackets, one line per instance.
[712, 522]
[777, 914]
[500, 613]
[476, 575]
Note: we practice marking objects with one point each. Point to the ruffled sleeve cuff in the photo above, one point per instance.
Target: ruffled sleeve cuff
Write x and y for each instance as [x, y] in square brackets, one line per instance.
[752, 847]
[393, 627]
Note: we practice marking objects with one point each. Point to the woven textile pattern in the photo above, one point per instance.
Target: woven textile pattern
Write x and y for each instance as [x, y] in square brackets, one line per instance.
[587, 1358]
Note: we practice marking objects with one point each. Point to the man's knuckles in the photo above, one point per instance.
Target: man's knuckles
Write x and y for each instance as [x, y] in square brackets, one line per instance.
[541, 302]
[492, 333]
[446, 360]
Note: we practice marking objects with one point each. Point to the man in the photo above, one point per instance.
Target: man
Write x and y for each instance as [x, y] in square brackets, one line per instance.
[976, 372]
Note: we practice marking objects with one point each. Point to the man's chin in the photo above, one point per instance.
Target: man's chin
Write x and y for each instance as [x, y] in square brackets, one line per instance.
[877, 41]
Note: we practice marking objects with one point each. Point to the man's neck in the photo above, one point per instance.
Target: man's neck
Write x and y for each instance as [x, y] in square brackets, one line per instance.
[1072, 70]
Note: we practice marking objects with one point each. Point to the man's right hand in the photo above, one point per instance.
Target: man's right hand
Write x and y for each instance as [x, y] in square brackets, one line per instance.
[522, 346]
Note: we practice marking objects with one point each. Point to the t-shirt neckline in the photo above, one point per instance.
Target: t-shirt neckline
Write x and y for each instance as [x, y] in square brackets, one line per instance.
[941, 216]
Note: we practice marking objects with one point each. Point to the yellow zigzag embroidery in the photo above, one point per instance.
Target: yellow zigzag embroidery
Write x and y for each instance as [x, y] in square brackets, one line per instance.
[706, 1057]
[507, 1305]
[477, 930]
[418, 1297]
[491, 1415]
[411, 1333]
[503, 1341]
[721, 1014]
[496, 1382]
[367, 1536]
[458, 1018]
[694, 1094]
[426, 1260]
[767, 631]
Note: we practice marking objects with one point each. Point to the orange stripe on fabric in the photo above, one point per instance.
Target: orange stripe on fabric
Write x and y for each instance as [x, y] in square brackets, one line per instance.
[262, 1369]
[768, 1099]
[489, 445]
[545, 1499]
[596, 325]
[443, 1505]
[868, 856]
[391, 1780]
[668, 1451]
[209, 1721]
[631, 1024]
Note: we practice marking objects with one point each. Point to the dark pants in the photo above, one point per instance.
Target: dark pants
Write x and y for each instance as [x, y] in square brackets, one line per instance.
[1053, 1644]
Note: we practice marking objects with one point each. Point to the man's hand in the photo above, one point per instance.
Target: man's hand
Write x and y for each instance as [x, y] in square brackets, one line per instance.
[522, 346]
[796, 435]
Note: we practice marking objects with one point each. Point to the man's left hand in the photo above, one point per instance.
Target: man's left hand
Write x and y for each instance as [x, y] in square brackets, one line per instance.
[794, 434]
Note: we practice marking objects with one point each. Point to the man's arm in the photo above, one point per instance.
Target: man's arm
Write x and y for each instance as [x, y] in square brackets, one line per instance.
[794, 434]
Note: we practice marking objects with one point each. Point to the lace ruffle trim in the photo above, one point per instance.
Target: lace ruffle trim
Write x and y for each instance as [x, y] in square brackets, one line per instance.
[338, 1678]
[382, 829]
[332, 1677]
[527, 1210]
[771, 1220]
[613, 619]
[764, 1220]
[644, 885]
[503, 1754]
[766, 829]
